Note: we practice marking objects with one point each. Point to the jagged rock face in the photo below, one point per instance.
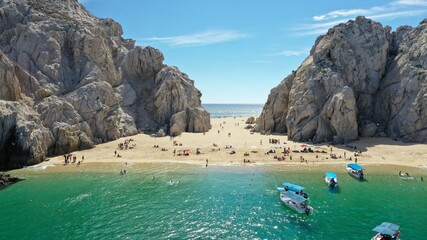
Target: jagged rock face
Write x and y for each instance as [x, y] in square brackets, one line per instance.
[23, 140]
[359, 79]
[402, 101]
[72, 78]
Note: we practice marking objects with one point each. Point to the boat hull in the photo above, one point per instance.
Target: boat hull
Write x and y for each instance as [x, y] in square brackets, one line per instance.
[380, 237]
[356, 174]
[300, 208]
[331, 184]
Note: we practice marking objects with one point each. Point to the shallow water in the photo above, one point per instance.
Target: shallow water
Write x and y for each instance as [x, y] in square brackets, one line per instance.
[188, 202]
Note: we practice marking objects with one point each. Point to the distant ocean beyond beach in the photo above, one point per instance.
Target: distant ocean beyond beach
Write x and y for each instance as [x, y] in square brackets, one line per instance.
[233, 110]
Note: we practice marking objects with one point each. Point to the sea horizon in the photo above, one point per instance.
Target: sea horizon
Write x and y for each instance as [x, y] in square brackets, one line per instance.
[224, 110]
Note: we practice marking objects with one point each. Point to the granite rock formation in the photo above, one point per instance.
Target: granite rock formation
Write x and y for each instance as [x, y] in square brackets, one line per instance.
[360, 79]
[6, 180]
[71, 81]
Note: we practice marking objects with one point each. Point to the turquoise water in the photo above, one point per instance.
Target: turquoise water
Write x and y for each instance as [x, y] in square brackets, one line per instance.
[233, 110]
[207, 203]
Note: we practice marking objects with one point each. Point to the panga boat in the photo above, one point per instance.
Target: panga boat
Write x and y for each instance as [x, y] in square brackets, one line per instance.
[331, 179]
[355, 170]
[295, 202]
[386, 231]
[406, 176]
[293, 188]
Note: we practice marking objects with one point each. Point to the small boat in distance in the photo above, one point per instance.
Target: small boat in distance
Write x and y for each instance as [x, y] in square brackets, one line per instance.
[386, 231]
[355, 170]
[293, 188]
[295, 202]
[405, 176]
[331, 179]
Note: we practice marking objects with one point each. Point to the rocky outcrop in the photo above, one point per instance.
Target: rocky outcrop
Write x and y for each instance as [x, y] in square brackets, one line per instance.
[6, 179]
[360, 79]
[71, 81]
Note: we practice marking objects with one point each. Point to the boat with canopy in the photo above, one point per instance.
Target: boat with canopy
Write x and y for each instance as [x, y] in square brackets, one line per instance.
[295, 202]
[355, 170]
[331, 179]
[293, 188]
[386, 231]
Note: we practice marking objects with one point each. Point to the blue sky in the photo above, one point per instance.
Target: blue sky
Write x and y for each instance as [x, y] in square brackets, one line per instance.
[236, 51]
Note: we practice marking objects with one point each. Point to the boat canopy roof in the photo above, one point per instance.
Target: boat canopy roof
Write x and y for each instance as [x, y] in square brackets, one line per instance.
[295, 197]
[331, 175]
[354, 166]
[386, 228]
[293, 186]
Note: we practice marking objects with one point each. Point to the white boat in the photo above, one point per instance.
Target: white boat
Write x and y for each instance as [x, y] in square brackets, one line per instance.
[406, 176]
[331, 179]
[386, 231]
[355, 170]
[295, 202]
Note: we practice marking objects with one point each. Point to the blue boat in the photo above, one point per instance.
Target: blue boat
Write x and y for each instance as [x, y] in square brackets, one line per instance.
[293, 188]
[355, 170]
[331, 179]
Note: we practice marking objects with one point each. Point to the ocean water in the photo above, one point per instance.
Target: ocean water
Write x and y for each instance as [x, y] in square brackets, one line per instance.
[233, 110]
[166, 201]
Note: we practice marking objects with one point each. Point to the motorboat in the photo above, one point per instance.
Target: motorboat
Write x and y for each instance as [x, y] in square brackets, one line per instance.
[293, 188]
[331, 179]
[386, 231]
[295, 202]
[355, 170]
[406, 176]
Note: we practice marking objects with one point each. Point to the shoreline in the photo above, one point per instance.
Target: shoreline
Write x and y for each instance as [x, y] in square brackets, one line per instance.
[228, 141]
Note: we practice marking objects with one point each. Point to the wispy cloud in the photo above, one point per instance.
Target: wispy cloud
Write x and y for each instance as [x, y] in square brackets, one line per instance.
[396, 9]
[347, 12]
[290, 53]
[412, 2]
[393, 15]
[315, 28]
[200, 39]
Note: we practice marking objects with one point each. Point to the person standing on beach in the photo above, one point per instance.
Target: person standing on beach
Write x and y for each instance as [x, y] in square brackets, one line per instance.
[206, 162]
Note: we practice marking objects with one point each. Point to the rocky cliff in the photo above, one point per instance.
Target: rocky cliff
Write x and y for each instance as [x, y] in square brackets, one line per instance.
[69, 81]
[360, 79]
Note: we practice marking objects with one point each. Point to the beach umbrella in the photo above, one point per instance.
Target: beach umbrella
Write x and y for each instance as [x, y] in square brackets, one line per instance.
[303, 145]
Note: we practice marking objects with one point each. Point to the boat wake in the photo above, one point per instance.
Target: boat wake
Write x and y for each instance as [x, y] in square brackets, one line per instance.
[80, 197]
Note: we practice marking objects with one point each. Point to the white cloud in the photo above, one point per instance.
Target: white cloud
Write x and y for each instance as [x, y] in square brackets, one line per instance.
[412, 2]
[393, 10]
[347, 13]
[291, 53]
[398, 14]
[200, 39]
[315, 28]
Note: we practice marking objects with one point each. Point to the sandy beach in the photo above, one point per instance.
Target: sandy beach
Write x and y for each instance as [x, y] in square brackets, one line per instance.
[229, 143]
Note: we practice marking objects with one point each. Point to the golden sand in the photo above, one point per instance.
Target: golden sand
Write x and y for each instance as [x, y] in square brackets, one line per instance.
[229, 134]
